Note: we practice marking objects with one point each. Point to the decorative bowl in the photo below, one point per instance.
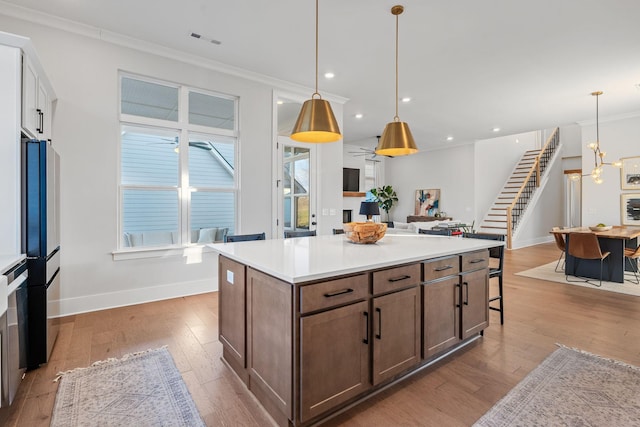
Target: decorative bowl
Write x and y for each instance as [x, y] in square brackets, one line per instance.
[365, 232]
[596, 228]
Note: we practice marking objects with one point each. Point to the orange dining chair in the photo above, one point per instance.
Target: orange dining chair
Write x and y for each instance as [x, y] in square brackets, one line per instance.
[631, 255]
[583, 246]
[560, 243]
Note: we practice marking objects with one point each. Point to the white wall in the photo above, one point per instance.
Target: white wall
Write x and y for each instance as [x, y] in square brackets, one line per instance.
[84, 73]
[450, 170]
[619, 138]
[495, 159]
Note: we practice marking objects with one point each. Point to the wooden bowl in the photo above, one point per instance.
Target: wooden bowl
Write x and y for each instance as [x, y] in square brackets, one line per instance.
[365, 232]
[596, 228]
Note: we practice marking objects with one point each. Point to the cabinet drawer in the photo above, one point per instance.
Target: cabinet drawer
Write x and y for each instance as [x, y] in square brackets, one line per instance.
[333, 292]
[475, 260]
[441, 267]
[396, 278]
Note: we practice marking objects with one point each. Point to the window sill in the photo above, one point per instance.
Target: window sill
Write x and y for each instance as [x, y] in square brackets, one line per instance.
[160, 252]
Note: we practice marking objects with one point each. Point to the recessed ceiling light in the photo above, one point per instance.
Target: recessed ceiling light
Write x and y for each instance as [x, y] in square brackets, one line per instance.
[449, 138]
[280, 102]
[517, 141]
[329, 75]
[406, 99]
[359, 116]
[496, 129]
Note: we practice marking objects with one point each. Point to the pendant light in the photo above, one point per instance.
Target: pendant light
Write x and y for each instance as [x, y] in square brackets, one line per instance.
[396, 139]
[598, 154]
[316, 122]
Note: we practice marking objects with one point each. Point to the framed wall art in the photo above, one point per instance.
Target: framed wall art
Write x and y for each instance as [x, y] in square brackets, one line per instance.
[427, 202]
[630, 173]
[630, 209]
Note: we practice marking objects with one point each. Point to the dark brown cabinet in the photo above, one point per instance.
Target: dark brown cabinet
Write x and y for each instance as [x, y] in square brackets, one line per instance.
[455, 302]
[396, 333]
[441, 315]
[232, 313]
[334, 358]
[474, 302]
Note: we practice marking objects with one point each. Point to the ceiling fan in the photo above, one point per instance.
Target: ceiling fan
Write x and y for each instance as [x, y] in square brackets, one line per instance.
[363, 151]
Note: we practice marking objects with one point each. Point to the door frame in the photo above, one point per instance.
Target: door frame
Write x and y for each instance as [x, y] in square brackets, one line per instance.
[279, 142]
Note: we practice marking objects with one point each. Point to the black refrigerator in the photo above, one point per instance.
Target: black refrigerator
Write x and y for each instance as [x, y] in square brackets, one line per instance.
[41, 243]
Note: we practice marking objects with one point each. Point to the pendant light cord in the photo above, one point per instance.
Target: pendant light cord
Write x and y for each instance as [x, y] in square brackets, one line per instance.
[396, 118]
[316, 92]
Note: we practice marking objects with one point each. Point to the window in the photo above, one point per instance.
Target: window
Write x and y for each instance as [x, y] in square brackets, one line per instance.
[177, 164]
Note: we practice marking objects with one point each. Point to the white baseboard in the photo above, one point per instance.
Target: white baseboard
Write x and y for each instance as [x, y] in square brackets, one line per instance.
[531, 242]
[105, 301]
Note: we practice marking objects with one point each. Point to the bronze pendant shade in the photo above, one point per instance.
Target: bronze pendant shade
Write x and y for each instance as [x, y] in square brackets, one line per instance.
[316, 122]
[396, 139]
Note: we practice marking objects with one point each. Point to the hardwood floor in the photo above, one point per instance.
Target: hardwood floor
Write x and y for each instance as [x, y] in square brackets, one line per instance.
[454, 392]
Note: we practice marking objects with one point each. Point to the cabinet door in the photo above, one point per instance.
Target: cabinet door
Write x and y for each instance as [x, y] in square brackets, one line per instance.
[334, 362]
[231, 306]
[475, 302]
[30, 116]
[44, 125]
[441, 315]
[396, 328]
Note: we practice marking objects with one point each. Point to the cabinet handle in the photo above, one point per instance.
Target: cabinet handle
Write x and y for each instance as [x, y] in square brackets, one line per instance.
[41, 122]
[466, 298]
[443, 268]
[379, 334]
[366, 324]
[397, 279]
[457, 295]
[39, 126]
[336, 293]
[475, 261]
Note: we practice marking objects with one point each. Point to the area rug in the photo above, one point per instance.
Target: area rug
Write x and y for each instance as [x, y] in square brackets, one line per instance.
[571, 388]
[547, 272]
[141, 389]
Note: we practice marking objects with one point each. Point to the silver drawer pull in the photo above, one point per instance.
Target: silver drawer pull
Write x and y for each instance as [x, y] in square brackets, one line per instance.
[443, 268]
[397, 279]
[475, 261]
[336, 293]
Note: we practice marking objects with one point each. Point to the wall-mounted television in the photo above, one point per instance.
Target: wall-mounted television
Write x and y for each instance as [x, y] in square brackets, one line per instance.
[350, 179]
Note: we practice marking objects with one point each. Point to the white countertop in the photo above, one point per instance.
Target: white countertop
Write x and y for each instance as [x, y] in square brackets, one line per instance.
[9, 260]
[304, 259]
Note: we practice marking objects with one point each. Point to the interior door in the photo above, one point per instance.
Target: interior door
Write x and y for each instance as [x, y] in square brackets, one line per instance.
[295, 187]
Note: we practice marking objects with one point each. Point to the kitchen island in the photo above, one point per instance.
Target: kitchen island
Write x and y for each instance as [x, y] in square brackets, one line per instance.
[314, 324]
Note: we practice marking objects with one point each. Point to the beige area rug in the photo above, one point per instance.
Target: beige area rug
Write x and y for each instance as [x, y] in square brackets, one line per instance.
[571, 388]
[546, 272]
[141, 389]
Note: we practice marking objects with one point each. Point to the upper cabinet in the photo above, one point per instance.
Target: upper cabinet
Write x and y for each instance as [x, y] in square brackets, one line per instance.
[36, 104]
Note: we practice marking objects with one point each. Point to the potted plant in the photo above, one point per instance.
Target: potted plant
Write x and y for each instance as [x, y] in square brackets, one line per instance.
[386, 197]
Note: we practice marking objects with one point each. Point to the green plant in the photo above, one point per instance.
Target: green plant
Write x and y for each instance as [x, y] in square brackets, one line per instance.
[386, 197]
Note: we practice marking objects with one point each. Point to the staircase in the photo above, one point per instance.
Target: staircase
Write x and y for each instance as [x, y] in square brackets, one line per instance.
[507, 210]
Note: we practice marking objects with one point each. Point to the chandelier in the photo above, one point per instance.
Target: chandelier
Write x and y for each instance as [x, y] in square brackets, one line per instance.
[598, 154]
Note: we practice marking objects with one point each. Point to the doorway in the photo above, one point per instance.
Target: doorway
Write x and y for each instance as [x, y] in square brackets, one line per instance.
[295, 173]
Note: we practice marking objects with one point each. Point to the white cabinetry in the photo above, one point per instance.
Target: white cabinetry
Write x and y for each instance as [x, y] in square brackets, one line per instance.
[10, 149]
[36, 111]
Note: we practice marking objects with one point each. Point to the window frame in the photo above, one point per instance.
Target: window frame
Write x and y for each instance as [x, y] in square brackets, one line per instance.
[183, 188]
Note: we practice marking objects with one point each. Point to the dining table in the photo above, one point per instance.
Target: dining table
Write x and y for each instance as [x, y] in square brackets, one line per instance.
[614, 241]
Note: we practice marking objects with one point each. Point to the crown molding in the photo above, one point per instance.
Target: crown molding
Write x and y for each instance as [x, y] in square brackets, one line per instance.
[624, 116]
[44, 19]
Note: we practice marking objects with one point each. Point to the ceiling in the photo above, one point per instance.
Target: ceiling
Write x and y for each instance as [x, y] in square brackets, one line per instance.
[468, 65]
